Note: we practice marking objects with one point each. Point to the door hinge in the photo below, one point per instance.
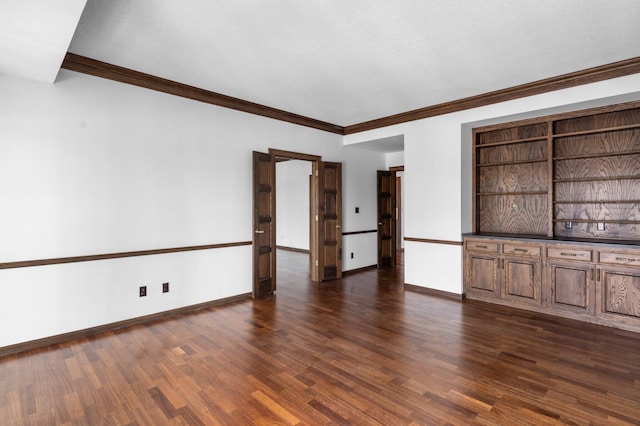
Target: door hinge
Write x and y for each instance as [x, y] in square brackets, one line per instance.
[316, 263]
[316, 172]
[316, 218]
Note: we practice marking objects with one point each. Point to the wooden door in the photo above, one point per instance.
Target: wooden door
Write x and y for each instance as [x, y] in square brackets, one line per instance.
[482, 275]
[398, 213]
[619, 290]
[570, 286]
[327, 221]
[386, 219]
[264, 224]
[522, 280]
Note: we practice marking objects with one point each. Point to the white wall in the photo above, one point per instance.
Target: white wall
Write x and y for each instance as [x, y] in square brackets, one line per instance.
[437, 189]
[394, 159]
[292, 204]
[90, 166]
[359, 181]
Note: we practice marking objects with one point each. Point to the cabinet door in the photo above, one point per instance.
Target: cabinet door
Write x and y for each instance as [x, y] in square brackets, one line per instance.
[620, 295]
[522, 280]
[482, 275]
[569, 287]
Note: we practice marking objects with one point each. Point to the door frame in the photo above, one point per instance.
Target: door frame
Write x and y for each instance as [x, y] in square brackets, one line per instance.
[315, 161]
[386, 218]
[399, 196]
[396, 218]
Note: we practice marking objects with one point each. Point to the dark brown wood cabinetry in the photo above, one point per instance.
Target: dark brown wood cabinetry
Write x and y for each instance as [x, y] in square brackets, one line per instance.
[557, 215]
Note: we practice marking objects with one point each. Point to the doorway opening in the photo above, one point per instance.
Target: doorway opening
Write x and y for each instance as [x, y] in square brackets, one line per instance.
[325, 218]
[293, 217]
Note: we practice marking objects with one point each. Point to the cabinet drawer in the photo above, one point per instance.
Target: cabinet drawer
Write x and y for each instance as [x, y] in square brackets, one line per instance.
[620, 258]
[521, 250]
[569, 254]
[483, 246]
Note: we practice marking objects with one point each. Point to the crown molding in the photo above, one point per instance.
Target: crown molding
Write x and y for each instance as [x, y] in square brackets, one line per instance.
[82, 64]
[590, 75]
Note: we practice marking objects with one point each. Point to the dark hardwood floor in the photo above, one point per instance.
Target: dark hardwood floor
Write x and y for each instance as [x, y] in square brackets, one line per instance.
[360, 350]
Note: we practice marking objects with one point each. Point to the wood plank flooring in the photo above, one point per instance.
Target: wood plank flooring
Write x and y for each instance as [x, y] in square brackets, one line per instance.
[358, 351]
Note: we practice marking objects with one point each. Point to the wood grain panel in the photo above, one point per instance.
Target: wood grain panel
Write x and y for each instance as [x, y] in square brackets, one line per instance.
[513, 214]
[600, 191]
[482, 246]
[570, 285]
[602, 143]
[485, 272]
[622, 293]
[506, 153]
[523, 177]
[598, 167]
[613, 231]
[512, 133]
[570, 253]
[620, 258]
[597, 211]
[521, 249]
[522, 279]
[598, 121]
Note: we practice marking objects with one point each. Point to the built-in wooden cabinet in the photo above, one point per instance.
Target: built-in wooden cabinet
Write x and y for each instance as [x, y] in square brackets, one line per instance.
[503, 270]
[586, 281]
[570, 287]
[557, 215]
[512, 185]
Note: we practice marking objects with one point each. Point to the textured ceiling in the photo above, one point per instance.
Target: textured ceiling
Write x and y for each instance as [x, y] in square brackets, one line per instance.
[347, 62]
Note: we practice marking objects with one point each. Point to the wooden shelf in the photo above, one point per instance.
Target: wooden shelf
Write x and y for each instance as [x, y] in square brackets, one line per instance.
[508, 163]
[596, 179]
[593, 131]
[606, 154]
[598, 202]
[524, 172]
[628, 222]
[492, 194]
[511, 142]
[587, 158]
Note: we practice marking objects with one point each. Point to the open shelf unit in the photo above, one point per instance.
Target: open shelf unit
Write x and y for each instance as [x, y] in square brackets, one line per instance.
[556, 216]
[573, 176]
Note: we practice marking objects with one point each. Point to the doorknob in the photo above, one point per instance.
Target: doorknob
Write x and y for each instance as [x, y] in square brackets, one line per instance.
[379, 223]
[338, 227]
[257, 231]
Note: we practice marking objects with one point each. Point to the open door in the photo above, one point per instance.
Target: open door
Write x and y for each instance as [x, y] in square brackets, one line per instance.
[386, 219]
[327, 223]
[264, 241]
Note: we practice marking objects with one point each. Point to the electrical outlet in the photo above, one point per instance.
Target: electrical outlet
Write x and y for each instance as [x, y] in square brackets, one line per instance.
[165, 287]
[143, 290]
[568, 225]
[600, 226]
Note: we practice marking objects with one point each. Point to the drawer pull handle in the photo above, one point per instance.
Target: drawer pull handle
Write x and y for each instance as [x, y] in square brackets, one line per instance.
[520, 250]
[567, 254]
[626, 259]
[479, 246]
